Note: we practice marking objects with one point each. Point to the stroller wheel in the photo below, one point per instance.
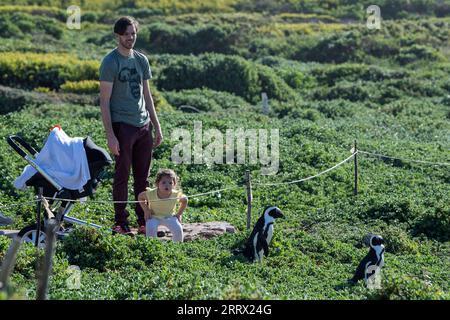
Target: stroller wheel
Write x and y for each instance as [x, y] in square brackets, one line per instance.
[29, 234]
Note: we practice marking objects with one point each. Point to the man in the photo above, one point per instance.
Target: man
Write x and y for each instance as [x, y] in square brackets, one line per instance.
[128, 115]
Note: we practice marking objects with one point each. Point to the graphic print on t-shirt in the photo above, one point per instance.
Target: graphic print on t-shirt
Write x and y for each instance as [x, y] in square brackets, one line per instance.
[133, 78]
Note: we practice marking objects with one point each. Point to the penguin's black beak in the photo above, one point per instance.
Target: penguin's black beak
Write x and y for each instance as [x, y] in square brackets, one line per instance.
[275, 213]
[280, 214]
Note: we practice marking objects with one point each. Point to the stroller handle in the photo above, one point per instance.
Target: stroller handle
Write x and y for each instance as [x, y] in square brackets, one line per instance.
[18, 144]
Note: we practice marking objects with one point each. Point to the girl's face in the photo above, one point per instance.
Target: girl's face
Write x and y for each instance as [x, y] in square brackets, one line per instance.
[166, 184]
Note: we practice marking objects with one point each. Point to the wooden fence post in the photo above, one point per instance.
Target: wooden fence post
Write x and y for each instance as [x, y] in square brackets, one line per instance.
[265, 103]
[8, 263]
[46, 270]
[249, 197]
[355, 190]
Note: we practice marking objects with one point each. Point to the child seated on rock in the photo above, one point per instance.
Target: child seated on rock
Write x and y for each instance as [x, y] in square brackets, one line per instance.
[159, 205]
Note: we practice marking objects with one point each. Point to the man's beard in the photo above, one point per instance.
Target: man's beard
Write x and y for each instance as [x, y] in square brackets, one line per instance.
[128, 45]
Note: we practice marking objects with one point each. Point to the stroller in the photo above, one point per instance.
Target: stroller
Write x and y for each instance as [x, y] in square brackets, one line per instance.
[60, 197]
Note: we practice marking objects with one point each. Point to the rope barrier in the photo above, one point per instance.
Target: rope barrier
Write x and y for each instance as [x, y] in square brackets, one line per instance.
[112, 201]
[238, 187]
[199, 194]
[308, 178]
[18, 204]
[403, 159]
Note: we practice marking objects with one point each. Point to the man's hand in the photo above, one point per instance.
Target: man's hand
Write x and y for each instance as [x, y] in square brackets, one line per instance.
[158, 138]
[113, 145]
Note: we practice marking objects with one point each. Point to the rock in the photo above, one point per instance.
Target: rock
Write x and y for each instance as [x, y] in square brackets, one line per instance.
[4, 220]
[201, 230]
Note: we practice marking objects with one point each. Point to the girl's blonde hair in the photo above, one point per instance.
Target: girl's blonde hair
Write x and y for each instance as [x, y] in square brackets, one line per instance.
[167, 173]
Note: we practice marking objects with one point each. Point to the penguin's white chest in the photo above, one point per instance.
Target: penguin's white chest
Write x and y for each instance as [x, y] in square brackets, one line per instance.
[381, 264]
[380, 255]
[269, 233]
[267, 230]
[257, 254]
[373, 267]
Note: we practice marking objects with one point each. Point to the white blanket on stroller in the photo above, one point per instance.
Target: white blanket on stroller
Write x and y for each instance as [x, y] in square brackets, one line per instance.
[63, 158]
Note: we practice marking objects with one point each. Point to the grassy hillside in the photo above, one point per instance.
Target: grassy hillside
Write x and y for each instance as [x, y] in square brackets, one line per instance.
[329, 80]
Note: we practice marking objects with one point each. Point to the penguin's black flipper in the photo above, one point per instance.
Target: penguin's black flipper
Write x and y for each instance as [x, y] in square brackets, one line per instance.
[263, 242]
[248, 252]
[266, 248]
[360, 271]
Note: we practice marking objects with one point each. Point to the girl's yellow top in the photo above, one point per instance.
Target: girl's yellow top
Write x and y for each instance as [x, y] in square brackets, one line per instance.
[163, 208]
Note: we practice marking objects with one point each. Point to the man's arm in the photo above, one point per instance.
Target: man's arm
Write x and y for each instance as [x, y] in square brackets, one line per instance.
[152, 112]
[105, 95]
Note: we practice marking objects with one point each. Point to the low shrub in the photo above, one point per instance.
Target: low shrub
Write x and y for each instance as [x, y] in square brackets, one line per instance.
[412, 86]
[20, 25]
[237, 76]
[336, 48]
[380, 46]
[292, 72]
[405, 287]
[344, 90]
[433, 224]
[15, 99]
[160, 102]
[31, 70]
[204, 99]
[35, 10]
[331, 75]
[398, 241]
[84, 86]
[89, 248]
[392, 210]
[418, 52]
[12, 99]
[164, 38]
[259, 47]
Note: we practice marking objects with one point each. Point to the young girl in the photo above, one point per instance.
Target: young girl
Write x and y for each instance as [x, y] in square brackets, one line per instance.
[158, 211]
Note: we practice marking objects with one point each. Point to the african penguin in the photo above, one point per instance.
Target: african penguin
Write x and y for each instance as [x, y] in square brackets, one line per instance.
[259, 240]
[372, 262]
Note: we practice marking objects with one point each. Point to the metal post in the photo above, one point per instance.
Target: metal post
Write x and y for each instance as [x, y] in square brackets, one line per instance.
[38, 216]
[355, 190]
[249, 197]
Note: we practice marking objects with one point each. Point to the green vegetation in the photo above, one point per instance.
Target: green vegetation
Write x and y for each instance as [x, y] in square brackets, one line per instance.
[329, 80]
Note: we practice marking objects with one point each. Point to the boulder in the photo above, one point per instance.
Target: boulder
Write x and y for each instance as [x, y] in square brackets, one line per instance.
[4, 220]
[201, 230]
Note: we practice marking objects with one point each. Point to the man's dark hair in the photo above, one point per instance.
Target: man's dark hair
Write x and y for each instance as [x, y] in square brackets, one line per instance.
[123, 22]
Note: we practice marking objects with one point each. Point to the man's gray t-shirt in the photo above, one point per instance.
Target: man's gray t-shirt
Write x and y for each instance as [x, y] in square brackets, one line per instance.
[127, 103]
